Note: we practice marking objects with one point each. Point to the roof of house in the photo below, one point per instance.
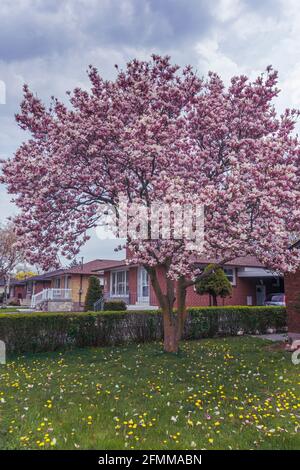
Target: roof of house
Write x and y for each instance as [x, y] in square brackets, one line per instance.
[100, 265]
[45, 276]
[93, 267]
[17, 282]
[246, 261]
[120, 264]
[12, 282]
[89, 268]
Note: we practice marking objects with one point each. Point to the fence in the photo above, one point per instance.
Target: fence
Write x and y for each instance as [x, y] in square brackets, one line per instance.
[50, 294]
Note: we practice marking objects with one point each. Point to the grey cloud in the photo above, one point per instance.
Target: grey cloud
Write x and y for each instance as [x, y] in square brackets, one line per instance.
[6, 207]
[272, 7]
[34, 28]
[96, 248]
[37, 28]
[149, 23]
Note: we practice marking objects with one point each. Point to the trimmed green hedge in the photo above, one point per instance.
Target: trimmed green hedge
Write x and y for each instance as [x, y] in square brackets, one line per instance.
[37, 332]
[234, 320]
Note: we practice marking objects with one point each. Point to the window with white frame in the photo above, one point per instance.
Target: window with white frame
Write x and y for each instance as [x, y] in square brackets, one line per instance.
[57, 283]
[231, 275]
[67, 282]
[119, 283]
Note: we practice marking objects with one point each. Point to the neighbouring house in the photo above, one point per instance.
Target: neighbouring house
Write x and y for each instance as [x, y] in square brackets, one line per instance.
[17, 291]
[250, 281]
[63, 289]
[292, 293]
[14, 290]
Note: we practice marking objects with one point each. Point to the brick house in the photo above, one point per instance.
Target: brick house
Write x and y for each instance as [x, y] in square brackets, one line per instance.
[61, 286]
[17, 291]
[251, 283]
[292, 293]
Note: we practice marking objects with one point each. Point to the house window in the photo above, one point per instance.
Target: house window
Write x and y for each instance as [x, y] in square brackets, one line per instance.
[57, 283]
[119, 283]
[231, 275]
[67, 282]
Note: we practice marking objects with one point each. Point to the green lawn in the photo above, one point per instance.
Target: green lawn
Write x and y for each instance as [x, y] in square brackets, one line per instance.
[9, 309]
[217, 394]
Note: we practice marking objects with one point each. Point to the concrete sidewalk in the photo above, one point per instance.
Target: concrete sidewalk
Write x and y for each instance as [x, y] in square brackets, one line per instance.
[275, 337]
[283, 337]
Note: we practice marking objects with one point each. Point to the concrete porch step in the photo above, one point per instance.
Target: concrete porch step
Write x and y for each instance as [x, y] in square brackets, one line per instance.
[141, 306]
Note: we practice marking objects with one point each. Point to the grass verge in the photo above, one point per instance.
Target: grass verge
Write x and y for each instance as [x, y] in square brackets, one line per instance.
[229, 393]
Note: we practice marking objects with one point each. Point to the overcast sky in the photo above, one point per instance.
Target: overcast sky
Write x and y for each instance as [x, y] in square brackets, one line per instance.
[49, 44]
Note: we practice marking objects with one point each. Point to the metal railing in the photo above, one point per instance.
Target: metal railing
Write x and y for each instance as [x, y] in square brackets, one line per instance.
[50, 294]
[99, 305]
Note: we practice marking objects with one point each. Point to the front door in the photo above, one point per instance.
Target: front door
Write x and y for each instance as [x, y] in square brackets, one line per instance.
[260, 294]
[143, 285]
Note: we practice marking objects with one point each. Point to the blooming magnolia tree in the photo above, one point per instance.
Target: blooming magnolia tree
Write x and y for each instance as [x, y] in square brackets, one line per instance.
[158, 134]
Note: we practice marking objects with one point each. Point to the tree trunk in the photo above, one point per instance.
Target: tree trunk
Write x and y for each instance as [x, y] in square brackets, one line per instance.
[6, 286]
[171, 337]
[181, 306]
[173, 323]
[5, 296]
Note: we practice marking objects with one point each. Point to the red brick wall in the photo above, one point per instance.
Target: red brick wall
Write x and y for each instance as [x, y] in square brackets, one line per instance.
[292, 292]
[132, 282]
[243, 288]
[41, 285]
[106, 288]
[19, 292]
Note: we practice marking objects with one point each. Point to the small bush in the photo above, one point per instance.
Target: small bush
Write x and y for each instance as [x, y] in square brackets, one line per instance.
[216, 284]
[14, 303]
[115, 305]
